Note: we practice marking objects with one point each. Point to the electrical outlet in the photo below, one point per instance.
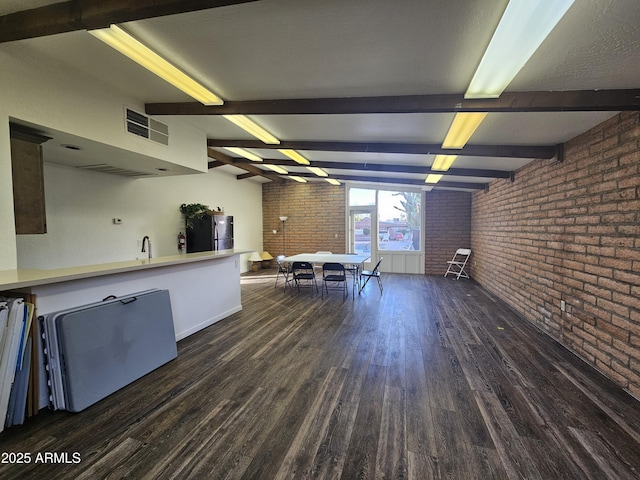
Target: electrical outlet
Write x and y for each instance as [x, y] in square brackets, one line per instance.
[563, 306]
[117, 221]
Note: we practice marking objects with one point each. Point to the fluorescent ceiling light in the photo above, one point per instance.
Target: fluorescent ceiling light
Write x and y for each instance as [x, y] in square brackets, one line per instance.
[461, 129]
[318, 171]
[277, 168]
[244, 153]
[433, 178]
[523, 27]
[332, 181]
[443, 162]
[293, 155]
[117, 38]
[253, 128]
[297, 179]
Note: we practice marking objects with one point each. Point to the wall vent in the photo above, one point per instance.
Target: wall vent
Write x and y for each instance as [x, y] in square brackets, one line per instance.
[143, 126]
[104, 168]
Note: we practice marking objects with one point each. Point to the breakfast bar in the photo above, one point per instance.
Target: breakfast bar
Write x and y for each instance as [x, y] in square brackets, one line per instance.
[203, 287]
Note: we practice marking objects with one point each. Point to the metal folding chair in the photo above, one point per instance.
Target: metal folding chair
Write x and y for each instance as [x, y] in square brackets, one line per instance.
[368, 275]
[302, 274]
[318, 266]
[284, 269]
[458, 263]
[335, 274]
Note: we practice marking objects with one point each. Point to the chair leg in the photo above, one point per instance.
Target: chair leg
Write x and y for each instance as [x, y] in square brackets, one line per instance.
[380, 283]
[366, 280]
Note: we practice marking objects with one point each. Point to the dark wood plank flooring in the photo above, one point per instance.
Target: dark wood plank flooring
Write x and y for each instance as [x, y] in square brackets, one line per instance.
[433, 379]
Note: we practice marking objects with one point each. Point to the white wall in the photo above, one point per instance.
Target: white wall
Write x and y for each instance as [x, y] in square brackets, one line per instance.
[81, 206]
[36, 89]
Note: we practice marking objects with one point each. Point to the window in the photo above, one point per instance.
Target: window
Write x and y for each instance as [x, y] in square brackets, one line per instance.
[399, 220]
[399, 217]
[359, 197]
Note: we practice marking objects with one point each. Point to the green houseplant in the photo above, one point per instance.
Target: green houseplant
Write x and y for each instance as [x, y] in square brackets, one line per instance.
[193, 211]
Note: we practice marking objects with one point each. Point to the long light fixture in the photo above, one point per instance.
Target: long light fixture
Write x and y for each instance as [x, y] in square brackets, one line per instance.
[295, 156]
[297, 178]
[318, 171]
[461, 129]
[244, 153]
[117, 38]
[277, 169]
[333, 181]
[522, 29]
[253, 128]
[443, 162]
[433, 178]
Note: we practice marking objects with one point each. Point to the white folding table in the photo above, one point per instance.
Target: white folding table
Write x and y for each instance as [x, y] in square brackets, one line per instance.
[356, 260]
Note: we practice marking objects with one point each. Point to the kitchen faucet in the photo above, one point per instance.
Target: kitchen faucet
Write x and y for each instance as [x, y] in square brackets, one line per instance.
[146, 239]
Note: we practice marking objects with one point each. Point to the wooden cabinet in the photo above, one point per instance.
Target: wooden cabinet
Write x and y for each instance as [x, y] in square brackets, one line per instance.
[28, 181]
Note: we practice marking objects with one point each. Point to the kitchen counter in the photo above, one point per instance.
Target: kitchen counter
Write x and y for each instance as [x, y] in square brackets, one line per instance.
[21, 278]
[204, 288]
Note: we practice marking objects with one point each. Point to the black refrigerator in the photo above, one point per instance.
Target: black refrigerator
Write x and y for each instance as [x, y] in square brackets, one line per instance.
[211, 232]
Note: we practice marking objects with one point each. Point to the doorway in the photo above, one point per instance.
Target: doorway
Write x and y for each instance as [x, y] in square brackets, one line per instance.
[362, 225]
[387, 223]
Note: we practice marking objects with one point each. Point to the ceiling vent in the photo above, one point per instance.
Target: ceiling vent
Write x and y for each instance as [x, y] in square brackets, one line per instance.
[104, 168]
[144, 126]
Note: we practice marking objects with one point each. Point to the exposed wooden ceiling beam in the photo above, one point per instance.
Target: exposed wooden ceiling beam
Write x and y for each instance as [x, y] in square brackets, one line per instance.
[400, 181]
[89, 14]
[216, 163]
[253, 170]
[244, 176]
[512, 151]
[223, 159]
[567, 101]
[381, 167]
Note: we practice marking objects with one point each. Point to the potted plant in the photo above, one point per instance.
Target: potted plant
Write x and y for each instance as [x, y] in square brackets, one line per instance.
[193, 211]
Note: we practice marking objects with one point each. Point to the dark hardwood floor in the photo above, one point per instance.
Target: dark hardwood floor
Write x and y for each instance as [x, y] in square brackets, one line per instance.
[433, 379]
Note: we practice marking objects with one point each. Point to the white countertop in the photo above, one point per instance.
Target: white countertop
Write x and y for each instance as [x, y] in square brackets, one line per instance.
[20, 278]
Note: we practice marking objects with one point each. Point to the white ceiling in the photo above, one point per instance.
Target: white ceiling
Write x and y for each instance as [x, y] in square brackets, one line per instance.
[279, 49]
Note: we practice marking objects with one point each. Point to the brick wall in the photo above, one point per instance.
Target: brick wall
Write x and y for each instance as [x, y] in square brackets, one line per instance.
[448, 221]
[570, 232]
[447, 228]
[316, 220]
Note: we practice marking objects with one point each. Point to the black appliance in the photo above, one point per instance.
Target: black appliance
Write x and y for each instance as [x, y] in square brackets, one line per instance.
[211, 232]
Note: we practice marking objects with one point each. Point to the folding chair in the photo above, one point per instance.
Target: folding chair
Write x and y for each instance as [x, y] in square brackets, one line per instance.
[458, 263]
[368, 275]
[302, 273]
[318, 266]
[334, 273]
[354, 270]
[284, 269]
